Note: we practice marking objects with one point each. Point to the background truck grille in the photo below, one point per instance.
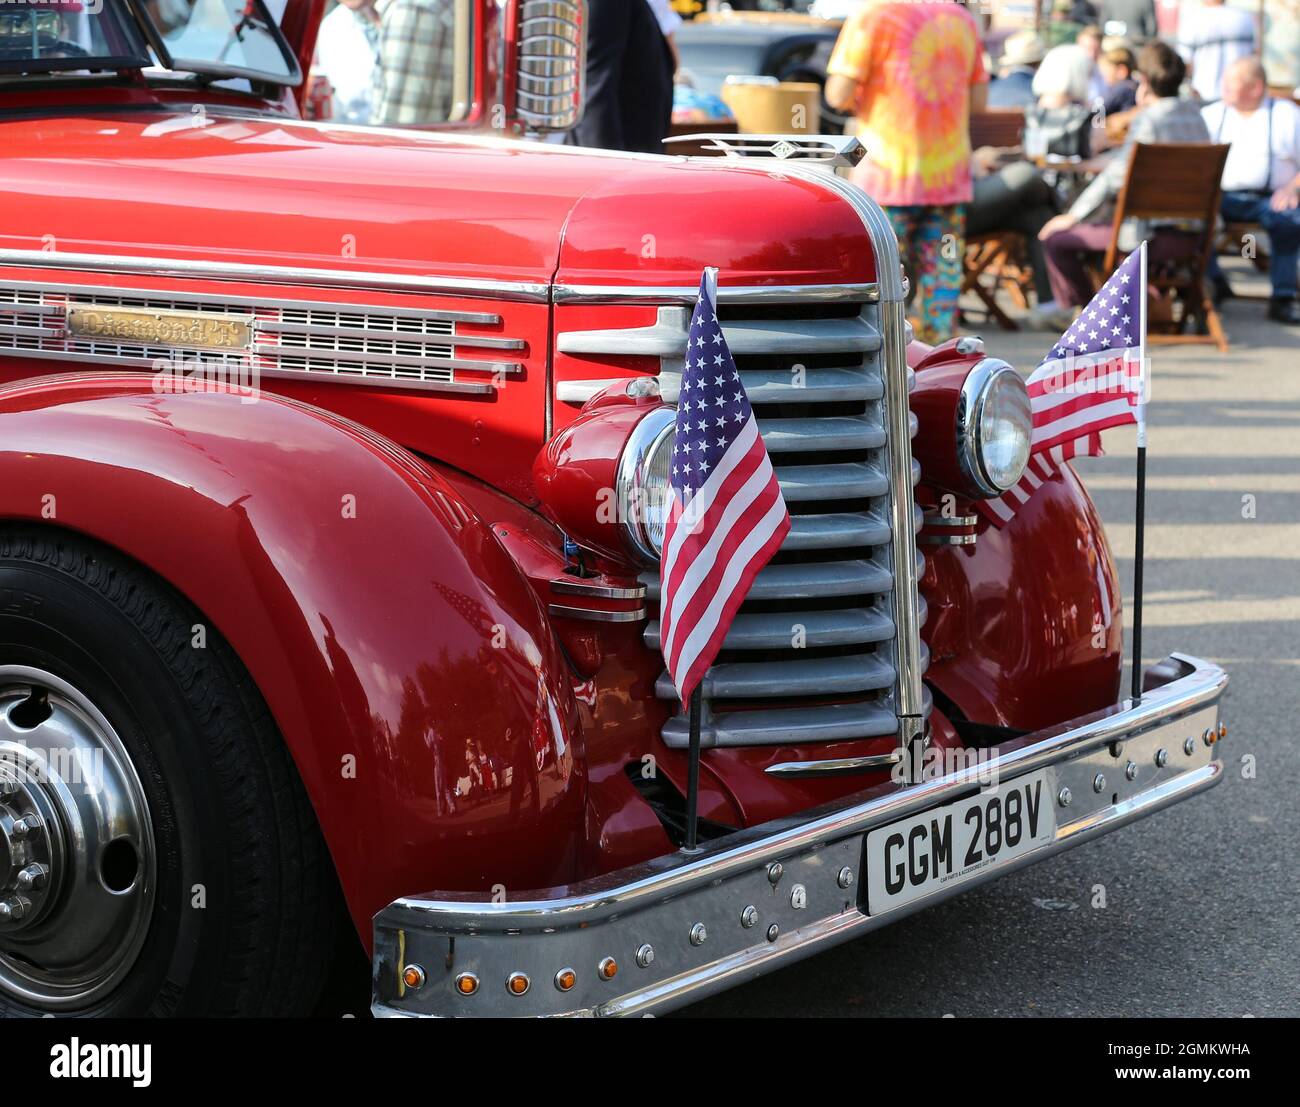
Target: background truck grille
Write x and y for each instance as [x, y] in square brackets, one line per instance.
[350, 343]
[810, 657]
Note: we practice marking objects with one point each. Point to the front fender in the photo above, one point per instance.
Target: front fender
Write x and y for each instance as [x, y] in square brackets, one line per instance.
[406, 660]
[1025, 627]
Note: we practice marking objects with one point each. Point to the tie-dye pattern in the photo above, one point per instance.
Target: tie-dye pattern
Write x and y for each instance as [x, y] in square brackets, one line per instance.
[914, 64]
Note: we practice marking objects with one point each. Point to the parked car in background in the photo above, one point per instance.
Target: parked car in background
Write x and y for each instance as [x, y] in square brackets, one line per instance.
[787, 46]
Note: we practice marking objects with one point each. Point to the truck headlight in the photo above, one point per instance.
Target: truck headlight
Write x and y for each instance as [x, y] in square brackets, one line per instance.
[643, 483]
[994, 427]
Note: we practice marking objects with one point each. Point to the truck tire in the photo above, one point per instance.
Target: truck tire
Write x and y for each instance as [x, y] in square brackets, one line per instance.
[158, 853]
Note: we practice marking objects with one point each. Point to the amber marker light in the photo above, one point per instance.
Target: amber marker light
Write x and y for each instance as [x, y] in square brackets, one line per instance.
[565, 979]
[517, 983]
[607, 969]
[467, 983]
[1223, 731]
[413, 977]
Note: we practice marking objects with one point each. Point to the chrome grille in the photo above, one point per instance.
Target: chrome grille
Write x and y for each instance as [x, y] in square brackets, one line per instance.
[811, 656]
[350, 343]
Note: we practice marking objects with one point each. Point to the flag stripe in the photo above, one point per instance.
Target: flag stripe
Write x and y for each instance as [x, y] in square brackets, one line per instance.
[714, 541]
[711, 488]
[753, 552]
[1075, 393]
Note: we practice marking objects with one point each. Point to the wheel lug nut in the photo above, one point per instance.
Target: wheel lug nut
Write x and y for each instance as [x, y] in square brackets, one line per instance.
[12, 909]
[23, 827]
[33, 876]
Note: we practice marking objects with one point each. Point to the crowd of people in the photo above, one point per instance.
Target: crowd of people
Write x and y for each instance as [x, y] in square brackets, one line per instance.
[911, 75]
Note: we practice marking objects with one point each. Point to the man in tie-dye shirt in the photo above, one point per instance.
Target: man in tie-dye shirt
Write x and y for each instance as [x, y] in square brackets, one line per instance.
[912, 73]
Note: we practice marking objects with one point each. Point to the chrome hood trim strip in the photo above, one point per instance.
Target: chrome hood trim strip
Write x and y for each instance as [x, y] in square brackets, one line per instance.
[527, 291]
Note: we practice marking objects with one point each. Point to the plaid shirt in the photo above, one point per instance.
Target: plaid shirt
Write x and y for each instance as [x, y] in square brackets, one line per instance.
[414, 79]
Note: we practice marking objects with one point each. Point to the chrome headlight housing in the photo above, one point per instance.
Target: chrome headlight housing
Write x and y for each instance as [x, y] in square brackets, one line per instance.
[643, 484]
[994, 427]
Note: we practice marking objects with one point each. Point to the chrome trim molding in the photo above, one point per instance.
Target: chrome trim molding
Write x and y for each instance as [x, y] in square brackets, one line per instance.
[528, 291]
[948, 539]
[579, 392]
[826, 151]
[749, 294]
[596, 615]
[836, 766]
[484, 318]
[575, 586]
[934, 519]
[661, 902]
[909, 691]
[467, 388]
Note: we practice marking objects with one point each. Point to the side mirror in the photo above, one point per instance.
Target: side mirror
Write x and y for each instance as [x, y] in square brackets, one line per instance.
[550, 63]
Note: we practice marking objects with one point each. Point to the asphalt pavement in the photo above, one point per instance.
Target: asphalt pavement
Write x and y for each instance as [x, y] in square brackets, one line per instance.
[1201, 910]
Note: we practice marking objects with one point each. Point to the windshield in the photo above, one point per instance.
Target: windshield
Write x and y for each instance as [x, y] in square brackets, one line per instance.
[227, 37]
[221, 38]
[37, 37]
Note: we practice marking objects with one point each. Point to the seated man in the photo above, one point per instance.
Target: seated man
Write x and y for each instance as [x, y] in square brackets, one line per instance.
[1085, 229]
[1261, 181]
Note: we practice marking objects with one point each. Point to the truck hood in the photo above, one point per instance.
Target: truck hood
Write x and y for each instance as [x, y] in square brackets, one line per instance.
[220, 188]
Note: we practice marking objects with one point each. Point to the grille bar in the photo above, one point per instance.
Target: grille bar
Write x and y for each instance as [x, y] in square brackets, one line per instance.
[807, 677]
[788, 726]
[402, 348]
[818, 623]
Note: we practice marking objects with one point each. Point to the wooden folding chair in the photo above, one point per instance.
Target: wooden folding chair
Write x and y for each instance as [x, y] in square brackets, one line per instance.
[1168, 182]
[997, 259]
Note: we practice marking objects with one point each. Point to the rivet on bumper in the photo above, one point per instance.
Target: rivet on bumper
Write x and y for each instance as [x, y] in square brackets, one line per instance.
[1064, 797]
[1162, 758]
[845, 877]
[1189, 746]
[699, 935]
[749, 916]
[774, 872]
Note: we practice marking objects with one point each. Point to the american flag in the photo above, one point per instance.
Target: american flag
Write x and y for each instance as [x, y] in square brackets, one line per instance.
[1092, 379]
[727, 516]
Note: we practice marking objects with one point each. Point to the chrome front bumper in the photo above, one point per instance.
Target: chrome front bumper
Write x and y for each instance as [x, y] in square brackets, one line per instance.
[1118, 765]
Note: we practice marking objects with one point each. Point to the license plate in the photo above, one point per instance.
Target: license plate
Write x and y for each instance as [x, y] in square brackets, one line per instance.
[943, 847]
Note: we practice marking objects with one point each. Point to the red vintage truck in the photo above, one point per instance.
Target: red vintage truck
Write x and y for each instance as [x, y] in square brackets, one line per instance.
[328, 471]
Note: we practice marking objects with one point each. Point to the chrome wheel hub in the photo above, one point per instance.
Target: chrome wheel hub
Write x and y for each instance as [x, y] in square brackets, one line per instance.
[76, 846]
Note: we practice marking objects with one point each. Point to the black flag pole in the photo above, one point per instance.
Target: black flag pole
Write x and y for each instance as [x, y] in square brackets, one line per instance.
[693, 775]
[1140, 510]
[1138, 552]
